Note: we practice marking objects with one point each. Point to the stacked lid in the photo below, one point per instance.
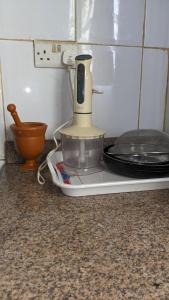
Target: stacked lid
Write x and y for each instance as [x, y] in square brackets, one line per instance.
[139, 153]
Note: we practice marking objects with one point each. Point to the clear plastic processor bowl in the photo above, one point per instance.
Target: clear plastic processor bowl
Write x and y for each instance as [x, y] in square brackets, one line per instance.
[82, 153]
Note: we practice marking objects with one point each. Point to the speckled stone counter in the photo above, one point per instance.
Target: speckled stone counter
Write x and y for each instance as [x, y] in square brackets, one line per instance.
[99, 247]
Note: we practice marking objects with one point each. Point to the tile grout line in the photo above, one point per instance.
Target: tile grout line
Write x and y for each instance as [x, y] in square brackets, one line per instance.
[75, 19]
[86, 43]
[3, 107]
[140, 92]
[141, 70]
[34, 53]
[16, 39]
[166, 94]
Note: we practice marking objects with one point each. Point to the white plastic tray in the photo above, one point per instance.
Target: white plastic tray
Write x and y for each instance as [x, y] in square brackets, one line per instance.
[103, 182]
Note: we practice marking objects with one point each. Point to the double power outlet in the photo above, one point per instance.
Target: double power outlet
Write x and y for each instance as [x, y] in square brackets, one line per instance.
[52, 54]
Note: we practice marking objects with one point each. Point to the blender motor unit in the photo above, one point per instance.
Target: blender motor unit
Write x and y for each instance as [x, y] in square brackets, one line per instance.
[82, 143]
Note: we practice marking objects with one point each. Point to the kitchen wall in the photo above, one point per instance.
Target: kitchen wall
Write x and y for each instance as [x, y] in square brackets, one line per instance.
[129, 41]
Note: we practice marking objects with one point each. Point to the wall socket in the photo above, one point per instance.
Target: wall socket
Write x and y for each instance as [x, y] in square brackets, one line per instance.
[53, 54]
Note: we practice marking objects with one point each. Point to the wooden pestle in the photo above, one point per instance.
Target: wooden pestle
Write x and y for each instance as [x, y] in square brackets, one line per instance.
[12, 109]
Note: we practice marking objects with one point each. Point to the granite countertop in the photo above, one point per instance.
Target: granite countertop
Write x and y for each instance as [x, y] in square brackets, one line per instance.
[98, 247]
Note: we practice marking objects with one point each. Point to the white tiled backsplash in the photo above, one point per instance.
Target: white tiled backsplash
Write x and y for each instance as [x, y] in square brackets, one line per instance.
[129, 41]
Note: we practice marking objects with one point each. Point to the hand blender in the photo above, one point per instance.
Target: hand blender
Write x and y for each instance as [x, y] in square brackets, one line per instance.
[82, 143]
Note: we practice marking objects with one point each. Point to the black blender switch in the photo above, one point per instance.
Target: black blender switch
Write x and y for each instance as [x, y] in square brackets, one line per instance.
[80, 83]
[83, 57]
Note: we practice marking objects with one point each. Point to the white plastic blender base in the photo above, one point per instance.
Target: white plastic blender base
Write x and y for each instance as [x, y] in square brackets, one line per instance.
[104, 182]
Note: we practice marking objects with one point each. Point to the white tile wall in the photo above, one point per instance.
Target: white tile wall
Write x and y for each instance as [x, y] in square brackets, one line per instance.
[110, 21]
[157, 23]
[116, 72]
[37, 19]
[44, 94]
[2, 126]
[39, 94]
[153, 90]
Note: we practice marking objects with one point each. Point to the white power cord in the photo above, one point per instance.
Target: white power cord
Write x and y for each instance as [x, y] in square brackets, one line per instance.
[43, 165]
[70, 68]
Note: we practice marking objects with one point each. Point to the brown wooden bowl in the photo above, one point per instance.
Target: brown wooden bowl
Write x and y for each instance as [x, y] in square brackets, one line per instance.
[29, 142]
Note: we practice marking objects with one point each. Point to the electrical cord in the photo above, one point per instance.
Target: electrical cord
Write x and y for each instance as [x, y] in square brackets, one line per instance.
[43, 165]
